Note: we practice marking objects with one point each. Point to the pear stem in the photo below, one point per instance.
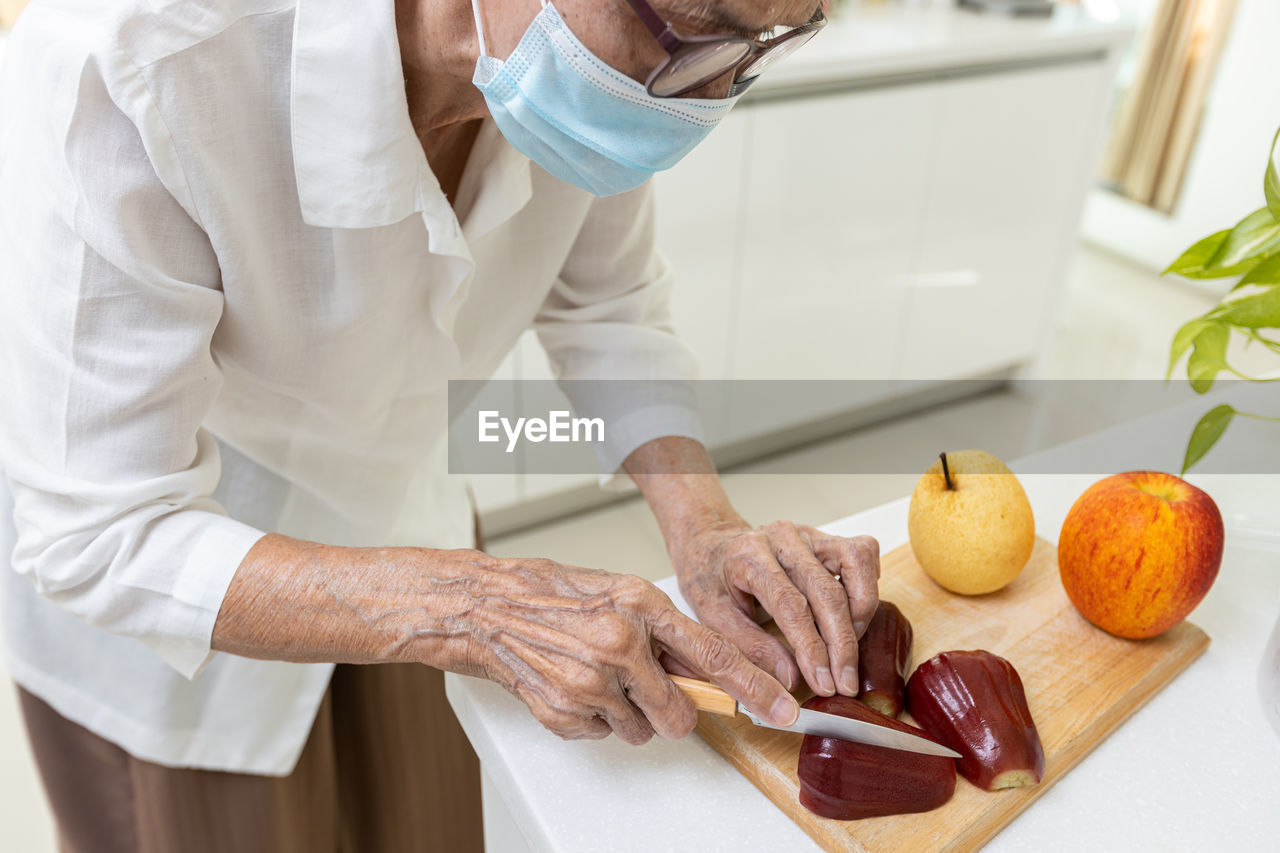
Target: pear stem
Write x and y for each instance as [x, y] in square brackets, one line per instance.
[946, 471]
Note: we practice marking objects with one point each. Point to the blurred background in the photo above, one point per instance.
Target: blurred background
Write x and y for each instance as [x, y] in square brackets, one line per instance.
[929, 190]
[933, 192]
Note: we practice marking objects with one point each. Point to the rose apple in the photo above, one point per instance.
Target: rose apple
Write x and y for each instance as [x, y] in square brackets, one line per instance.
[1138, 552]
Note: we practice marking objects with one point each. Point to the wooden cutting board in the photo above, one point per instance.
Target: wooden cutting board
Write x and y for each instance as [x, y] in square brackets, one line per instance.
[1081, 684]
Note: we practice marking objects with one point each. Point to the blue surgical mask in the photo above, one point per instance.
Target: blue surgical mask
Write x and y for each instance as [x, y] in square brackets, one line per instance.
[581, 120]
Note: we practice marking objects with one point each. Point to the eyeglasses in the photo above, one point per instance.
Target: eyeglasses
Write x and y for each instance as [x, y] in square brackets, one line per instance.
[694, 61]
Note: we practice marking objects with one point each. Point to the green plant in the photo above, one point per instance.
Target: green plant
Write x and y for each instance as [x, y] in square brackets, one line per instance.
[1251, 252]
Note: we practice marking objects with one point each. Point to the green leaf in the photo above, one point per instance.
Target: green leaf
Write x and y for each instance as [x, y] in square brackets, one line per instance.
[1198, 261]
[1274, 346]
[1259, 311]
[1267, 272]
[1208, 356]
[1271, 181]
[1191, 263]
[1206, 433]
[1182, 342]
[1254, 238]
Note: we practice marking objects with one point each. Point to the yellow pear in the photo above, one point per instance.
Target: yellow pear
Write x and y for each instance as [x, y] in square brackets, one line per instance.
[970, 523]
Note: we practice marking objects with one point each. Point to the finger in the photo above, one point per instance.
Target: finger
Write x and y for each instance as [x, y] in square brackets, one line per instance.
[859, 560]
[595, 728]
[829, 604]
[761, 648]
[554, 716]
[673, 665]
[627, 722]
[670, 713]
[830, 549]
[725, 666]
[600, 689]
[769, 582]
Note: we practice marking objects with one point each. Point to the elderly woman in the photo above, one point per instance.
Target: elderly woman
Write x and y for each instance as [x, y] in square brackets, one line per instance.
[244, 247]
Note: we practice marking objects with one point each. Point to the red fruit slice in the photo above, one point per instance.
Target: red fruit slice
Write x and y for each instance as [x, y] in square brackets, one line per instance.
[847, 781]
[884, 656]
[973, 702]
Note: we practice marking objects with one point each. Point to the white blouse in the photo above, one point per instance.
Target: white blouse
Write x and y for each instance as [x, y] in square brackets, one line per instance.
[231, 296]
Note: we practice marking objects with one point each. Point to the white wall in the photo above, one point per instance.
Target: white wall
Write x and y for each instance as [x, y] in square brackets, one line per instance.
[1224, 178]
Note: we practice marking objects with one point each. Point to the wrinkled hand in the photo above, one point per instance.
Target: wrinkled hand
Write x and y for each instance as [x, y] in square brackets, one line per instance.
[580, 648]
[820, 589]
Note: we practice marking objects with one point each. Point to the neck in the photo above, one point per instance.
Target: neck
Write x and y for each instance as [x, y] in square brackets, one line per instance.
[438, 50]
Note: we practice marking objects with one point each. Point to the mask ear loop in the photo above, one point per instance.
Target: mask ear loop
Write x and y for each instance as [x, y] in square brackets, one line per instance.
[475, 11]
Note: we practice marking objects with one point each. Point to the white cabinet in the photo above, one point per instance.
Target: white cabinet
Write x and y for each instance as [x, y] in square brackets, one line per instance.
[911, 232]
[833, 191]
[1005, 181]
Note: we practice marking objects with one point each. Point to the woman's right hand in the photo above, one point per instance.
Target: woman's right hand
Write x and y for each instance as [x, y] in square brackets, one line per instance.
[580, 647]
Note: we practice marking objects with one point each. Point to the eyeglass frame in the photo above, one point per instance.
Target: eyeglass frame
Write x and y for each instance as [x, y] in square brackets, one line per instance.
[674, 43]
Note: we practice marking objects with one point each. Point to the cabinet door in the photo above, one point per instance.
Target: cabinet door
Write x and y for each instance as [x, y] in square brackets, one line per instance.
[834, 198]
[1011, 161]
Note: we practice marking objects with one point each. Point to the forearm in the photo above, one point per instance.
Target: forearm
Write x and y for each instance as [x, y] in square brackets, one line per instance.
[305, 602]
[576, 645]
[679, 481]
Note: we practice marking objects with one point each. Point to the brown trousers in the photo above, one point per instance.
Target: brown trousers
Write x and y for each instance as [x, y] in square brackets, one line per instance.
[386, 769]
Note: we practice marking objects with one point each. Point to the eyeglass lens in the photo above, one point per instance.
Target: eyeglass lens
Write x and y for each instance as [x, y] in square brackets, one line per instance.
[777, 51]
[697, 64]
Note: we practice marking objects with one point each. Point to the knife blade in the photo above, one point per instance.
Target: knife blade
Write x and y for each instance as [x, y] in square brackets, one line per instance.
[708, 697]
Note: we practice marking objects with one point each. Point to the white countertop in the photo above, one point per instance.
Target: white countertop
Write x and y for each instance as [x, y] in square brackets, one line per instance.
[897, 37]
[1198, 768]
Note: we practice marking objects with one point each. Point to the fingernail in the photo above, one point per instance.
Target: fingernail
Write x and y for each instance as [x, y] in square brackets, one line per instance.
[784, 676]
[859, 628]
[785, 711]
[849, 680]
[825, 684]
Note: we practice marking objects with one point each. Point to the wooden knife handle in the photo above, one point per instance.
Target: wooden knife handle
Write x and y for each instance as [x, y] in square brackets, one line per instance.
[706, 696]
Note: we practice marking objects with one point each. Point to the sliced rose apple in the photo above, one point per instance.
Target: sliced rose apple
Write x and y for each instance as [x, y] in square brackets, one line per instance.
[973, 702]
[847, 781]
[884, 657]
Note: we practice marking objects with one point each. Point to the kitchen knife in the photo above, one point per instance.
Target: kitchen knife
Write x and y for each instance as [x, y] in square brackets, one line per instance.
[707, 697]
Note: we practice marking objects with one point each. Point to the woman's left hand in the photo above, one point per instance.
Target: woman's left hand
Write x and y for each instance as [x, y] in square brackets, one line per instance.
[820, 589]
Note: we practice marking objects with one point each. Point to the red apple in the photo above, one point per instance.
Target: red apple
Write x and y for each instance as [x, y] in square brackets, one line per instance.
[1138, 552]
